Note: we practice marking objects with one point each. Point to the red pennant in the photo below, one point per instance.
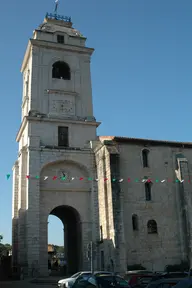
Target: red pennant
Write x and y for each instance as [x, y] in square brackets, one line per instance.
[27, 176]
[129, 180]
[169, 180]
[55, 177]
[105, 179]
[149, 180]
[81, 178]
[189, 181]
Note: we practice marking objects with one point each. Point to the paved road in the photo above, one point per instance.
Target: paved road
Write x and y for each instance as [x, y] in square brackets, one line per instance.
[25, 284]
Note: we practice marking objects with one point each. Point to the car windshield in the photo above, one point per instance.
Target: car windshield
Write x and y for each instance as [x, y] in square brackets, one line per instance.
[76, 275]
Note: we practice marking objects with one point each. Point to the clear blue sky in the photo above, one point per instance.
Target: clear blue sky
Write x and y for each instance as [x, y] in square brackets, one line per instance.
[141, 73]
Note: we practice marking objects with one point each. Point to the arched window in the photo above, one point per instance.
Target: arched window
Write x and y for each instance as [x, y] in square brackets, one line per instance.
[135, 223]
[145, 156]
[61, 70]
[152, 227]
[148, 191]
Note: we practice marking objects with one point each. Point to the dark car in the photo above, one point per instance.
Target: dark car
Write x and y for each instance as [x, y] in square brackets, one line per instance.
[184, 283]
[102, 281]
[164, 283]
[170, 275]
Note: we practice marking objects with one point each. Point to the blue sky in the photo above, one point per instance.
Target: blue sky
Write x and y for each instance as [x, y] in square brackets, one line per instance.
[141, 73]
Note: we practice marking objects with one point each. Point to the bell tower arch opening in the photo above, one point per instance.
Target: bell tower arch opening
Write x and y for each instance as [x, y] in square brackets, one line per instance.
[70, 218]
[61, 70]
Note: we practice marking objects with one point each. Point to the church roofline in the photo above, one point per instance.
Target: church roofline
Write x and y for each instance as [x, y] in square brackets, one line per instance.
[130, 140]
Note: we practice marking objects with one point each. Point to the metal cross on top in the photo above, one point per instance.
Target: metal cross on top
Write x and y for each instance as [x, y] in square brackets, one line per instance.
[56, 6]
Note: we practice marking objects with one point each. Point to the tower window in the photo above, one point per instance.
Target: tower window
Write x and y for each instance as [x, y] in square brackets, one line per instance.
[60, 39]
[63, 137]
[135, 222]
[152, 227]
[145, 156]
[101, 234]
[61, 70]
[148, 191]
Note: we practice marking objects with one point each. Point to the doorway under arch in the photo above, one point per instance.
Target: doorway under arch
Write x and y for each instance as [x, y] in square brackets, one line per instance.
[72, 236]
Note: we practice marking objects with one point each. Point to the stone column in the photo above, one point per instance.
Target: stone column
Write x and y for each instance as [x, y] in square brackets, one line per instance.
[186, 189]
[15, 214]
[86, 228]
[33, 212]
[22, 207]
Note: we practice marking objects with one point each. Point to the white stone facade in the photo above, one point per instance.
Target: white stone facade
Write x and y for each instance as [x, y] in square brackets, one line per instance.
[104, 207]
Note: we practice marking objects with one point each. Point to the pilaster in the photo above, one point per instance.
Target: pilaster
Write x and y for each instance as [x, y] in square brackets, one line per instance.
[15, 214]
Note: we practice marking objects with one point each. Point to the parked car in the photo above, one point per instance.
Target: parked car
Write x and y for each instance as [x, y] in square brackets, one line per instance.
[139, 279]
[68, 282]
[184, 283]
[164, 283]
[102, 281]
[170, 275]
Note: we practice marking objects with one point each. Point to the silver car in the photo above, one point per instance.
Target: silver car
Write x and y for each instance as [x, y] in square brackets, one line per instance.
[68, 282]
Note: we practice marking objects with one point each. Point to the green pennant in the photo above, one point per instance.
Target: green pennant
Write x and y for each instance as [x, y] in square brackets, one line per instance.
[90, 179]
[114, 180]
[136, 180]
[63, 178]
[156, 180]
[37, 177]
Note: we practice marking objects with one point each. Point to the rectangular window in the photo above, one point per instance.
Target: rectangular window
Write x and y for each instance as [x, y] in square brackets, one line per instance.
[60, 39]
[148, 191]
[63, 136]
[101, 234]
[102, 261]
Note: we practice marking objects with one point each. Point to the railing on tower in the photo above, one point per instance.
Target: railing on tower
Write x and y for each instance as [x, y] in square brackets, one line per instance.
[57, 17]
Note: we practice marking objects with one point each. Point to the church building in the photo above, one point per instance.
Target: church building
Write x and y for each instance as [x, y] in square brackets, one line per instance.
[120, 194]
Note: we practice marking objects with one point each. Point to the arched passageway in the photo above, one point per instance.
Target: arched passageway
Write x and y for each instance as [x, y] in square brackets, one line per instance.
[72, 236]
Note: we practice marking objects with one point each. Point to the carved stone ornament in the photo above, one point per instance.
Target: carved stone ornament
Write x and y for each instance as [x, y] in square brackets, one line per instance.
[64, 176]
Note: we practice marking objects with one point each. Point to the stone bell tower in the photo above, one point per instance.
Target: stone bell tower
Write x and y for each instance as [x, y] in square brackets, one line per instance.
[57, 124]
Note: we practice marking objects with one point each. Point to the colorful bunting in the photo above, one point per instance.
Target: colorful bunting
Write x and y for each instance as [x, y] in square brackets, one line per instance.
[137, 180]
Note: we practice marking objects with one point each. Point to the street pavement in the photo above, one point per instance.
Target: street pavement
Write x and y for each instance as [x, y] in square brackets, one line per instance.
[26, 284]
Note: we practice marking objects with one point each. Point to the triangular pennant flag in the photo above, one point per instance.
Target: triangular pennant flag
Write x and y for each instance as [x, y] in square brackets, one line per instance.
[136, 180]
[97, 180]
[105, 179]
[46, 177]
[129, 180]
[90, 179]
[114, 180]
[37, 177]
[144, 180]
[149, 180]
[54, 177]
[72, 178]
[156, 180]
[162, 181]
[27, 176]
[182, 181]
[121, 180]
[81, 178]
[8, 176]
[63, 178]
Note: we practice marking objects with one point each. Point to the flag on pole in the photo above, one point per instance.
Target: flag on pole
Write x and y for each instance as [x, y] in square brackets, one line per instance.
[56, 5]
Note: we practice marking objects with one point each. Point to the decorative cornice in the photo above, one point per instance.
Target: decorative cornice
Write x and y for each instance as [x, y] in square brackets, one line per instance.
[55, 46]
[30, 118]
[54, 91]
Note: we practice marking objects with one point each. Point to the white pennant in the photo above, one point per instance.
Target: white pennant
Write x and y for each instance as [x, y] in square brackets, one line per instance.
[162, 181]
[46, 177]
[121, 180]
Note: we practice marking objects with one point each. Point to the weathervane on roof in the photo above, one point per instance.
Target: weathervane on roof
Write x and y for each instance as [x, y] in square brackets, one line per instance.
[56, 6]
